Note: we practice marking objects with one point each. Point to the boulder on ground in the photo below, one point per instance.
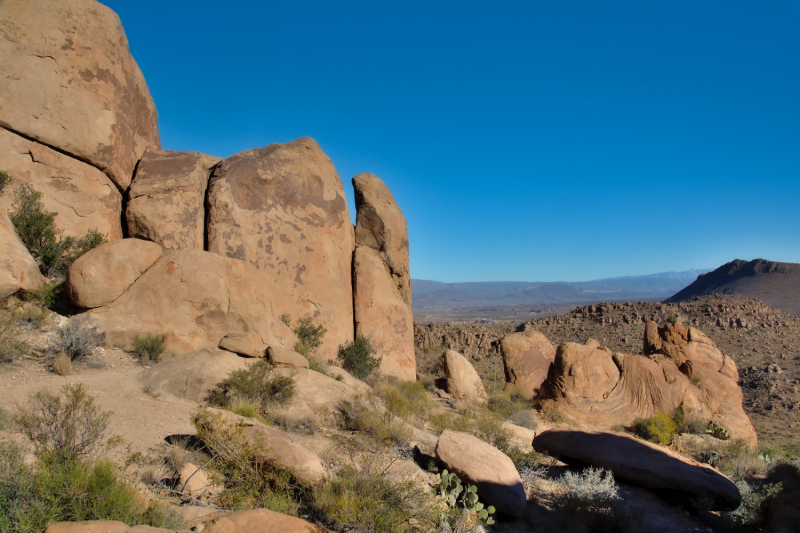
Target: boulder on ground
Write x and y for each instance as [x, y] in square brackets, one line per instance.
[527, 356]
[195, 298]
[268, 443]
[70, 82]
[166, 201]
[261, 521]
[490, 470]
[463, 380]
[283, 357]
[18, 270]
[641, 463]
[194, 481]
[382, 315]
[282, 209]
[100, 276]
[243, 343]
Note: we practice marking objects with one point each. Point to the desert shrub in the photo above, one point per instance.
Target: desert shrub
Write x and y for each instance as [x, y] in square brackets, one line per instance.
[258, 383]
[11, 346]
[45, 296]
[526, 419]
[247, 407]
[530, 467]
[363, 415]
[749, 512]
[406, 400]
[286, 319]
[672, 319]
[75, 340]
[67, 425]
[659, 428]
[507, 402]
[309, 335]
[62, 364]
[590, 490]
[5, 181]
[736, 459]
[356, 357]
[33, 314]
[149, 348]
[551, 413]
[477, 421]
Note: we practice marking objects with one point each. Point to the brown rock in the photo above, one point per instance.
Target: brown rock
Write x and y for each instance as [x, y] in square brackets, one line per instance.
[382, 315]
[261, 521]
[640, 462]
[243, 343]
[463, 380]
[314, 393]
[585, 370]
[527, 357]
[283, 357]
[100, 276]
[82, 196]
[18, 270]
[194, 481]
[783, 514]
[282, 209]
[90, 526]
[167, 199]
[486, 467]
[70, 82]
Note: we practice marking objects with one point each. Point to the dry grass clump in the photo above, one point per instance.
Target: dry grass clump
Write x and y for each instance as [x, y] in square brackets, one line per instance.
[408, 400]
[366, 415]
[594, 489]
[476, 420]
[75, 339]
[149, 348]
[11, 346]
[62, 364]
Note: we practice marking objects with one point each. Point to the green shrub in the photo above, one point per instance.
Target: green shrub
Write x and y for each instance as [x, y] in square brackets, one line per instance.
[362, 415]
[672, 319]
[256, 383]
[5, 181]
[309, 335]
[356, 357]
[149, 348]
[749, 512]
[45, 296]
[407, 400]
[659, 428]
[75, 340]
[477, 421]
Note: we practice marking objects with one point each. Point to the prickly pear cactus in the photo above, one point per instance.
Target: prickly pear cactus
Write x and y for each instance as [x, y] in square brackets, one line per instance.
[454, 493]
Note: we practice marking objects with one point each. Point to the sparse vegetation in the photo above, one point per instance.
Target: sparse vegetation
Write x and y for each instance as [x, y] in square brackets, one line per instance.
[364, 415]
[5, 181]
[308, 333]
[45, 296]
[662, 428]
[672, 319]
[150, 348]
[62, 364]
[357, 358]
[592, 490]
[406, 400]
[257, 384]
[10, 345]
[76, 340]
[750, 512]
[476, 420]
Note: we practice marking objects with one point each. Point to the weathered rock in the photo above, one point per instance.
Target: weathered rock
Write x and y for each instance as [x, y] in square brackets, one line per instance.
[382, 315]
[82, 196]
[527, 357]
[243, 343]
[339, 374]
[194, 481]
[261, 521]
[483, 465]
[380, 225]
[404, 471]
[585, 371]
[282, 209]
[194, 298]
[463, 380]
[18, 270]
[166, 201]
[93, 526]
[640, 462]
[70, 82]
[314, 393]
[269, 443]
[100, 276]
[286, 358]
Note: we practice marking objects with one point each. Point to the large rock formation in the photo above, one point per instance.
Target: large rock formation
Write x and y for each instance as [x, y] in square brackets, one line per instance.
[18, 270]
[463, 380]
[69, 82]
[381, 280]
[527, 356]
[166, 201]
[282, 209]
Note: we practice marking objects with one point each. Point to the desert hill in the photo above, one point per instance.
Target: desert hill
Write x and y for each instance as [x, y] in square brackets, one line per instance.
[776, 284]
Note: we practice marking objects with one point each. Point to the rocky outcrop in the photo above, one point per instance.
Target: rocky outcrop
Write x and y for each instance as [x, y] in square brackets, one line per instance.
[82, 197]
[195, 298]
[283, 357]
[194, 481]
[527, 357]
[18, 270]
[486, 467]
[166, 201]
[462, 379]
[314, 392]
[100, 276]
[243, 343]
[282, 209]
[640, 462]
[261, 521]
[70, 82]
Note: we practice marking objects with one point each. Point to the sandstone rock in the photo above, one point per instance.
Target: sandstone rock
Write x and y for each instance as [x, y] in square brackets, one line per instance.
[282, 209]
[483, 465]
[100, 276]
[70, 82]
[382, 315]
[340, 374]
[527, 357]
[463, 380]
[640, 462]
[261, 521]
[90, 526]
[380, 225]
[194, 481]
[315, 393]
[82, 196]
[166, 201]
[195, 298]
[587, 371]
[275, 445]
[405, 471]
[286, 358]
[18, 270]
[247, 344]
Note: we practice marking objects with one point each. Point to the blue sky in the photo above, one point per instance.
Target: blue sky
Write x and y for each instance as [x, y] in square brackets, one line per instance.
[526, 141]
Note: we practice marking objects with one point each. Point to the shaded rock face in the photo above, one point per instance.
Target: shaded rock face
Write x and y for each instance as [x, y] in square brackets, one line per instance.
[527, 357]
[639, 462]
[382, 315]
[282, 209]
[70, 82]
[18, 270]
[166, 201]
[462, 379]
[82, 196]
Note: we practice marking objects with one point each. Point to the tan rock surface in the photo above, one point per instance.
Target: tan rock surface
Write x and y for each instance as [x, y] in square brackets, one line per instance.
[282, 209]
[70, 82]
[286, 358]
[83, 196]
[315, 393]
[90, 526]
[261, 521]
[100, 276]
[166, 201]
[462, 379]
[18, 270]
[382, 315]
[527, 357]
[194, 481]
[243, 343]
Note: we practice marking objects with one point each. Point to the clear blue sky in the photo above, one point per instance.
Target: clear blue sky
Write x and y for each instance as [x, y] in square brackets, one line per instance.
[527, 141]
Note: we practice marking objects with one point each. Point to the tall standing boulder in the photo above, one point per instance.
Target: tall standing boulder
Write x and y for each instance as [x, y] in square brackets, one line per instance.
[282, 209]
[18, 270]
[527, 356]
[166, 201]
[381, 279]
[463, 380]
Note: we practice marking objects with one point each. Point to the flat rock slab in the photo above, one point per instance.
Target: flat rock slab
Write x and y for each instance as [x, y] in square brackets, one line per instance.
[285, 357]
[641, 463]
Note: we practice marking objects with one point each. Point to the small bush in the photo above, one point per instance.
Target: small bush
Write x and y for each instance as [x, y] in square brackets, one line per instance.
[659, 428]
[507, 402]
[5, 181]
[10, 345]
[589, 491]
[530, 467]
[149, 348]
[749, 512]
[477, 421]
[672, 319]
[526, 419]
[407, 400]
[46, 296]
[356, 357]
[362, 414]
[309, 335]
[257, 384]
[62, 364]
[76, 340]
